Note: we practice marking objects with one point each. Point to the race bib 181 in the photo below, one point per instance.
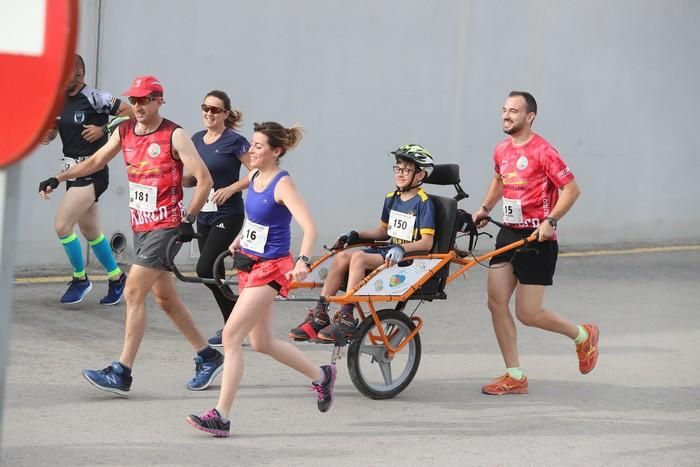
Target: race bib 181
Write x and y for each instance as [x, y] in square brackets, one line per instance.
[142, 197]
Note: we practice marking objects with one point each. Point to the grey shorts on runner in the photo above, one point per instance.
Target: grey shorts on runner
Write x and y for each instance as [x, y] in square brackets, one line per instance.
[150, 248]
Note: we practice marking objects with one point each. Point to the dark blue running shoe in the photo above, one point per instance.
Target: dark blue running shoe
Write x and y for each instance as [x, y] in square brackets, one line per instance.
[216, 341]
[211, 422]
[325, 391]
[205, 372]
[77, 290]
[115, 292]
[115, 379]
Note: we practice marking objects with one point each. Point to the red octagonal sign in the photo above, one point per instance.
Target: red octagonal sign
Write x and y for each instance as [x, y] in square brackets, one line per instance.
[37, 51]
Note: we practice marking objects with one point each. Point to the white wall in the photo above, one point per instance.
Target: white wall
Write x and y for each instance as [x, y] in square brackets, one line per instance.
[614, 82]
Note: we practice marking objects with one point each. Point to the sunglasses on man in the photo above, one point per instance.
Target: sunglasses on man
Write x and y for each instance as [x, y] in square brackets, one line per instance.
[145, 100]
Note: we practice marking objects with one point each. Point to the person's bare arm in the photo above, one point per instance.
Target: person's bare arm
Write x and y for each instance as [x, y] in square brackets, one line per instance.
[125, 110]
[91, 165]
[377, 233]
[569, 194]
[194, 165]
[423, 245]
[493, 196]
[51, 133]
[92, 133]
[287, 194]
[223, 194]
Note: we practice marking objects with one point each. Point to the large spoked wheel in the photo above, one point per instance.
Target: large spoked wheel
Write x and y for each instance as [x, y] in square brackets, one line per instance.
[373, 372]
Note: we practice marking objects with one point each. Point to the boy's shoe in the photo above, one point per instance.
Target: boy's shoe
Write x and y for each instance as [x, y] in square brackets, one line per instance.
[112, 379]
[315, 321]
[210, 422]
[325, 390]
[216, 341]
[506, 384]
[343, 327]
[115, 291]
[77, 290]
[588, 351]
[205, 372]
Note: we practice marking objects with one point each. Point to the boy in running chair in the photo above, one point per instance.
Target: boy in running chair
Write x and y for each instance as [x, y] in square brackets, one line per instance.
[407, 221]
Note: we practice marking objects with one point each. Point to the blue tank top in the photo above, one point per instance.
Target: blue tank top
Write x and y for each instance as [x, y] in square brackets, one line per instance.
[261, 208]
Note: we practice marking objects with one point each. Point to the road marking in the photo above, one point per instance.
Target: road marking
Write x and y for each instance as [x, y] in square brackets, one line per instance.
[630, 251]
[633, 251]
[66, 279]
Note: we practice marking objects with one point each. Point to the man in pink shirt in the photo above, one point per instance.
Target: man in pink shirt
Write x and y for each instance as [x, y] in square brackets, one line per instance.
[536, 189]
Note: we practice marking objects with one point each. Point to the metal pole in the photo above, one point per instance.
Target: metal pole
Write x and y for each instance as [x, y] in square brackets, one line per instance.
[9, 202]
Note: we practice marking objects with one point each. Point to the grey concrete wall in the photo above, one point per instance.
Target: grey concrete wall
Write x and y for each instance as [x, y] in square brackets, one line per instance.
[614, 83]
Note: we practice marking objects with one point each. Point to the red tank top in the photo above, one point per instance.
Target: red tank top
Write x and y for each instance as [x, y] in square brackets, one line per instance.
[155, 177]
[532, 176]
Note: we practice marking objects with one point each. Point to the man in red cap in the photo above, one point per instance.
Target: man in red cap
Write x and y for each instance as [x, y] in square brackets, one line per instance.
[156, 151]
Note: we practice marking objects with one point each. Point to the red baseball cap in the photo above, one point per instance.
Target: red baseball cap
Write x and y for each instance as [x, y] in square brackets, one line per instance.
[144, 86]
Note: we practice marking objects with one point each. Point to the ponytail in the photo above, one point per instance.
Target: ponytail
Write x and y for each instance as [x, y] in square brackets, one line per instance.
[279, 136]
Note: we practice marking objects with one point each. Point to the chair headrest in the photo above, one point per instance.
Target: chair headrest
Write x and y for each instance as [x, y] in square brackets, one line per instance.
[444, 174]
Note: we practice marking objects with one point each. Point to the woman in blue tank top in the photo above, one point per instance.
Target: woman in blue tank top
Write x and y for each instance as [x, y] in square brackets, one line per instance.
[266, 268]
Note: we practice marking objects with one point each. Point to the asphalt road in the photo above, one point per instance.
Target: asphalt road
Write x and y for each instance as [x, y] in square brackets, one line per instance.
[640, 406]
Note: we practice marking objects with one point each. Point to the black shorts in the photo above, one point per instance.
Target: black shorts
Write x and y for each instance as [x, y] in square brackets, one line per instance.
[99, 179]
[533, 264]
[379, 250]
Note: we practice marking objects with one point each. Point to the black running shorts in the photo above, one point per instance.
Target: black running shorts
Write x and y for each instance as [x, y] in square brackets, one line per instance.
[99, 179]
[533, 264]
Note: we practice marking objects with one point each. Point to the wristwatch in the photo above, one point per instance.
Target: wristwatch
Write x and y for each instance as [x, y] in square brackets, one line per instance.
[190, 218]
[552, 221]
[306, 260]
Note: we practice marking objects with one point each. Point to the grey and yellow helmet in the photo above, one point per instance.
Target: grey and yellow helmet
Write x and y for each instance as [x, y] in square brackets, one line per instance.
[418, 155]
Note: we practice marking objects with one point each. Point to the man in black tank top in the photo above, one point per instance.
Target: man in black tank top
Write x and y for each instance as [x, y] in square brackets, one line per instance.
[82, 126]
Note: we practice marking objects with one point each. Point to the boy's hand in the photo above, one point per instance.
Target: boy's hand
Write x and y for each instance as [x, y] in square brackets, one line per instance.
[395, 255]
[346, 239]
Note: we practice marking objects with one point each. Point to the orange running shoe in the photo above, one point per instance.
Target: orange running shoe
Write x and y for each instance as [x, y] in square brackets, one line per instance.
[588, 351]
[506, 384]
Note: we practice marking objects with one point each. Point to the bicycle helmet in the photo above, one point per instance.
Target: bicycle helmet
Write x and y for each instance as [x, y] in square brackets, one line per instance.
[418, 155]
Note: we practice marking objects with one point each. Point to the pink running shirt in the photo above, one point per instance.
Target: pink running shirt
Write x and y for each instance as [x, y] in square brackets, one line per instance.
[532, 175]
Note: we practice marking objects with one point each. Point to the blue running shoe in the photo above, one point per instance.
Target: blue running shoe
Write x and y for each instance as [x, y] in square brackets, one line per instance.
[116, 379]
[211, 422]
[115, 292]
[77, 290]
[205, 372]
[216, 341]
[325, 390]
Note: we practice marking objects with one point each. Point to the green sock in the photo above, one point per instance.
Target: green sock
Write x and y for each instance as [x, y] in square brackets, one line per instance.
[582, 336]
[516, 373]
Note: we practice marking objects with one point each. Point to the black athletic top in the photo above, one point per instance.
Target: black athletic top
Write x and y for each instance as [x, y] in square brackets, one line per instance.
[88, 107]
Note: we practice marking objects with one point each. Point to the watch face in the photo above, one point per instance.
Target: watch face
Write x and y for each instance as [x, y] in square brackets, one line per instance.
[191, 218]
